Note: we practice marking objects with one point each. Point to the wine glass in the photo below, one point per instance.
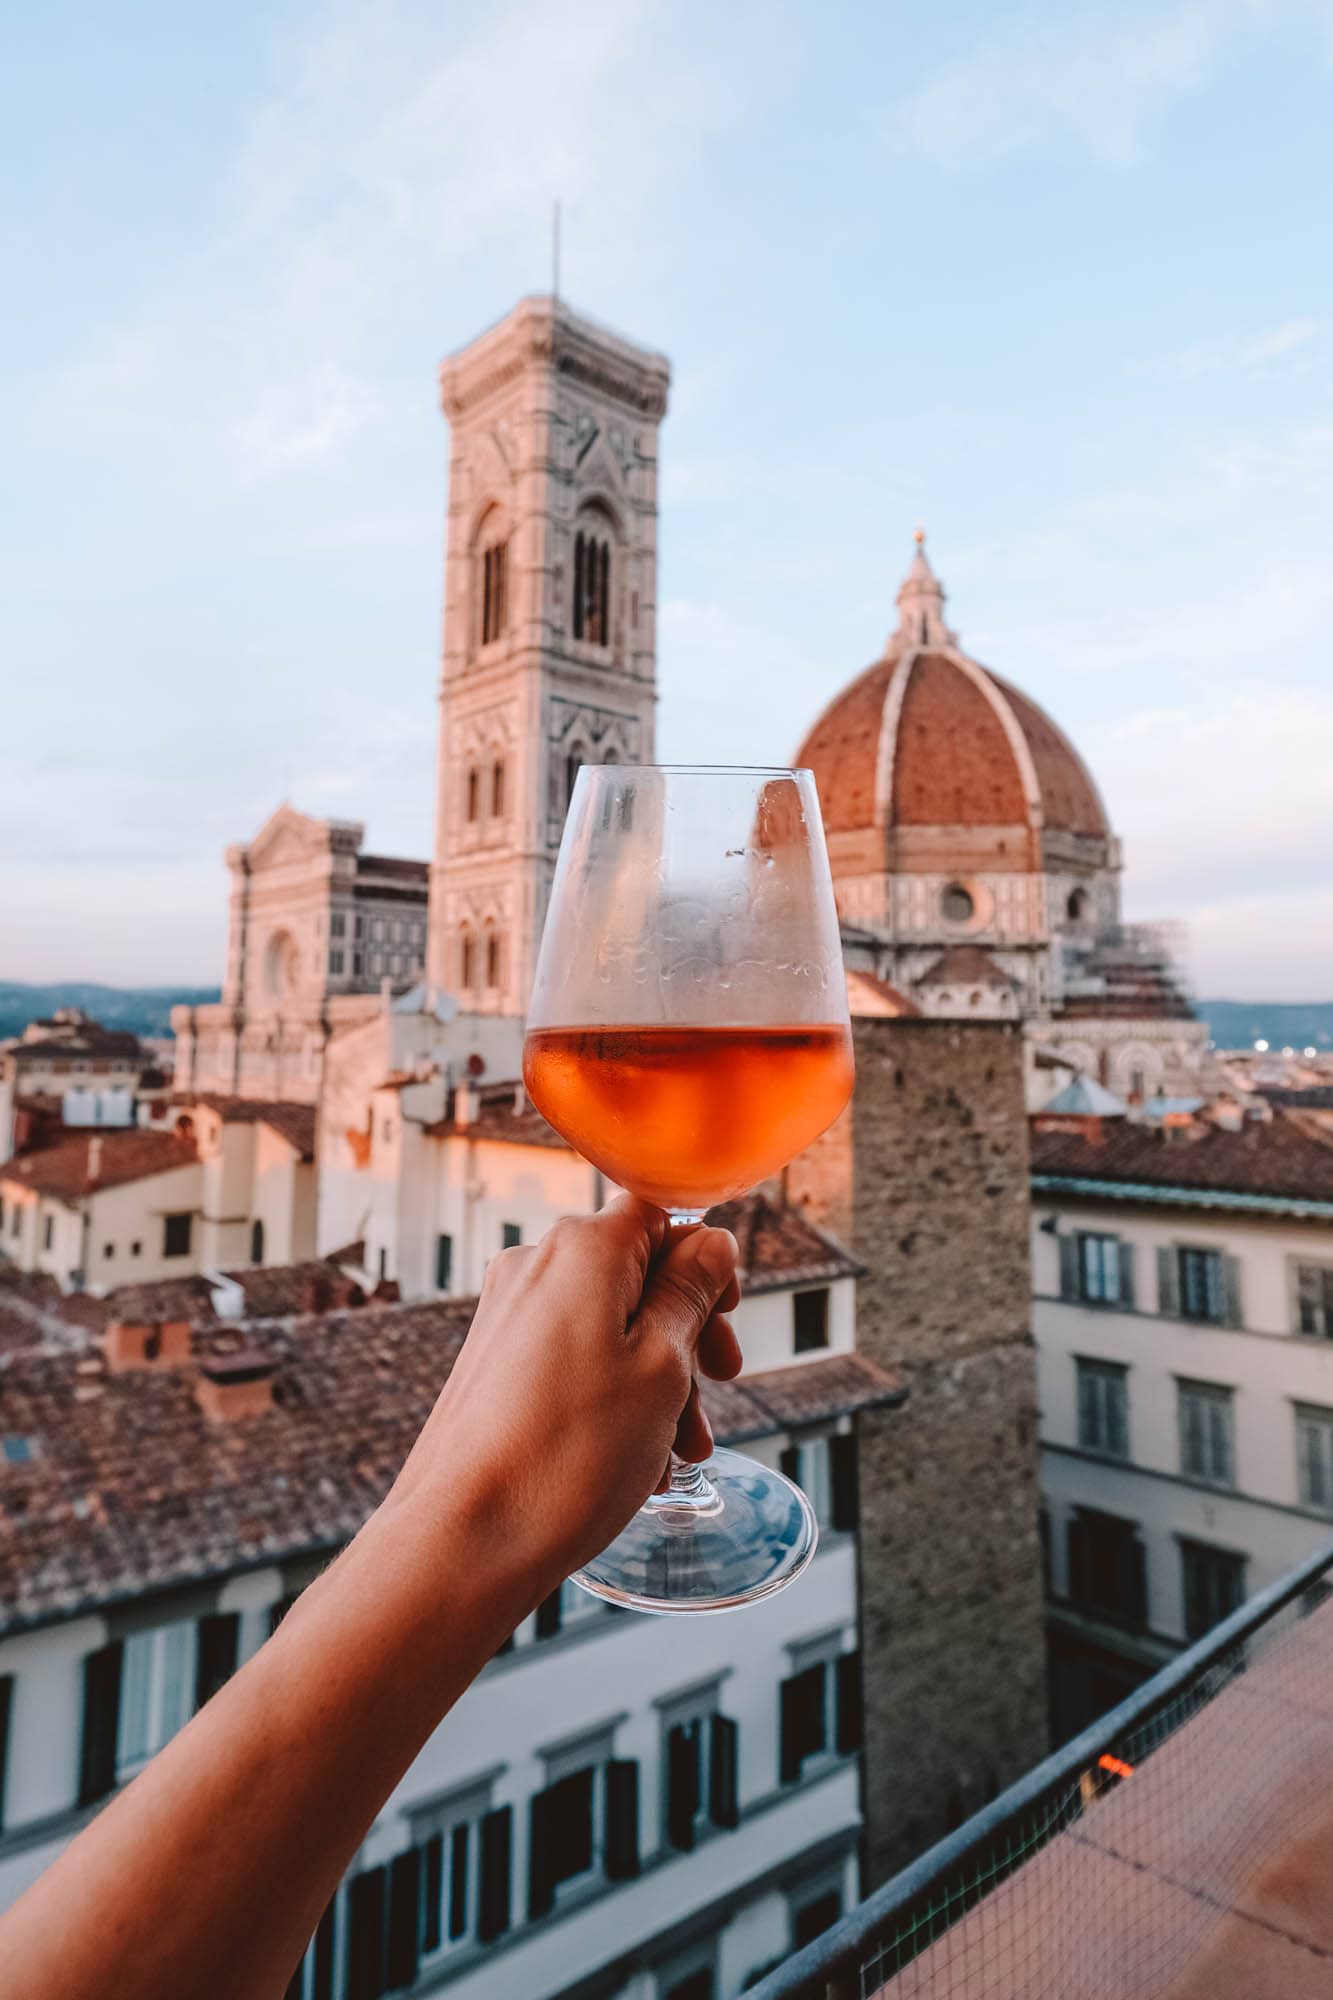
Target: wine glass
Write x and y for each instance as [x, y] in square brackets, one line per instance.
[688, 1034]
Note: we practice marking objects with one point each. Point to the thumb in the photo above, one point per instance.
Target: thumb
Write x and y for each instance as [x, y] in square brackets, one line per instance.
[684, 1288]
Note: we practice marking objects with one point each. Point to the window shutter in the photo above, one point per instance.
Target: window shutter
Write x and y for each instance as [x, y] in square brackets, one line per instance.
[1127, 1277]
[321, 1974]
[541, 1881]
[216, 1659]
[404, 1917]
[682, 1787]
[843, 1463]
[849, 1702]
[622, 1819]
[789, 1463]
[493, 1913]
[460, 1842]
[365, 1934]
[1168, 1282]
[723, 1767]
[789, 1750]
[1068, 1266]
[1078, 1560]
[1231, 1290]
[548, 1616]
[101, 1717]
[432, 1892]
[6, 1704]
[801, 1720]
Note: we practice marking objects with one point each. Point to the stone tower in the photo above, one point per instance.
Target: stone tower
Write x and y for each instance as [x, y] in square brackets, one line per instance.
[926, 1177]
[550, 622]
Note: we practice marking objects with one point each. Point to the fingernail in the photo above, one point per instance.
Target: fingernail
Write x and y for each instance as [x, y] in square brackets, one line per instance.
[717, 1251]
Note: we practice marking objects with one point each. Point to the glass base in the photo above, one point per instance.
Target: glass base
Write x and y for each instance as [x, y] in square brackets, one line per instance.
[728, 1533]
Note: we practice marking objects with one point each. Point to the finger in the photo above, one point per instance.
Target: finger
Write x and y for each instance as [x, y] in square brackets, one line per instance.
[694, 1433]
[719, 1352]
[683, 1290]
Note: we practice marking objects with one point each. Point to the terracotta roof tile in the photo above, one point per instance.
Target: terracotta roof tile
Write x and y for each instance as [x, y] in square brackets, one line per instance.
[65, 1169]
[780, 1247]
[965, 965]
[130, 1488]
[293, 1122]
[868, 996]
[953, 765]
[1269, 1159]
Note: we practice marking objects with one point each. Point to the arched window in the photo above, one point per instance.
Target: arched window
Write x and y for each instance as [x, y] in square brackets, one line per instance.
[467, 961]
[592, 588]
[493, 959]
[574, 763]
[256, 1242]
[609, 756]
[956, 905]
[498, 788]
[1077, 906]
[474, 793]
[494, 592]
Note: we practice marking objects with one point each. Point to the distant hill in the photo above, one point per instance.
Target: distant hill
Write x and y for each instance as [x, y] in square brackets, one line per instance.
[1238, 1024]
[144, 1010]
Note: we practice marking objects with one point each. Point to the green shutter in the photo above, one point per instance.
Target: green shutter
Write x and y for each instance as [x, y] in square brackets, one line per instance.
[216, 1656]
[101, 1720]
[404, 1918]
[622, 1819]
[494, 1902]
[723, 1770]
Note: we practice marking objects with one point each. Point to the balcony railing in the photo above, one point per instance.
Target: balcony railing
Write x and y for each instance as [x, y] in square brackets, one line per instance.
[1171, 1836]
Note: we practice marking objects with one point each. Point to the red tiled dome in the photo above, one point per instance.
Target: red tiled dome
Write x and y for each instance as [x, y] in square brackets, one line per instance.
[929, 738]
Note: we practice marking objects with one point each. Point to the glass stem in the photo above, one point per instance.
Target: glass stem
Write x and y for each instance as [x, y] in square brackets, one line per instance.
[688, 1486]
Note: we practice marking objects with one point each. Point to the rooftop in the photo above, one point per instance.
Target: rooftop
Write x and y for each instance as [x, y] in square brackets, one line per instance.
[1273, 1160]
[127, 1487]
[73, 1168]
[293, 1122]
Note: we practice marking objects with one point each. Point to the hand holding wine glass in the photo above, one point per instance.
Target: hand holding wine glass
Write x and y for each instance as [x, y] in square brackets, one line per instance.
[689, 1035]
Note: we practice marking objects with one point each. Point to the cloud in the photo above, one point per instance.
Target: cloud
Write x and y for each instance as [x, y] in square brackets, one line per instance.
[1249, 354]
[1098, 80]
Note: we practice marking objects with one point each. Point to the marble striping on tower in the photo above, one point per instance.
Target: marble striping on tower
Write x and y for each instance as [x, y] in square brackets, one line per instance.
[550, 621]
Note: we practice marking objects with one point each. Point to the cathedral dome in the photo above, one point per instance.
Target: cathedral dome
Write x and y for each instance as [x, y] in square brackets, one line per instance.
[928, 738]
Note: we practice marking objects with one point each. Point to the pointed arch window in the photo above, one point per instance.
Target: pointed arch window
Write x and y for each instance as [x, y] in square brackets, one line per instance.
[592, 588]
[494, 592]
[473, 793]
[498, 788]
[494, 959]
[574, 763]
[467, 961]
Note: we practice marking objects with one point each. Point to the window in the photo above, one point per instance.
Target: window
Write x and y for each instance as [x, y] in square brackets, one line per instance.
[1314, 1300]
[1103, 1407]
[338, 924]
[48, 1231]
[1108, 1575]
[956, 905]
[699, 1750]
[584, 1824]
[474, 794]
[136, 1248]
[817, 1913]
[463, 1850]
[358, 964]
[493, 960]
[1207, 1432]
[256, 1242]
[1101, 1269]
[810, 1319]
[467, 962]
[1076, 907]
[819, 1711]
[825, 1470]
[1213, 1585]
[383, 1266]
[592, 589]
[108, 1249]
[1200, 1285]
[444, 1262]
[157, 1692]
[511, 1235]
[494, 592]
[1314, 1457]
[498, 788]
[336, 960]
[176, 1232]
[695, 1979]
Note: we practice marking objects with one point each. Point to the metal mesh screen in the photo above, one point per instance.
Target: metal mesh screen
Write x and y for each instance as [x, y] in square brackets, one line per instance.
[1122, 1881]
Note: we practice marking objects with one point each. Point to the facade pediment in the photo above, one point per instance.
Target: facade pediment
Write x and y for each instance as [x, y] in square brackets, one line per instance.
[291, 836]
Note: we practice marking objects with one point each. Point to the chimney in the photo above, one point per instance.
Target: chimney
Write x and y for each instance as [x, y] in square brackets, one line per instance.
[142, 1343]
[234, 1387]
[94, 1157]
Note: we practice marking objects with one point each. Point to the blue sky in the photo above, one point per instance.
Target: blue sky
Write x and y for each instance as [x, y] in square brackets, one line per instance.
[1057, 283]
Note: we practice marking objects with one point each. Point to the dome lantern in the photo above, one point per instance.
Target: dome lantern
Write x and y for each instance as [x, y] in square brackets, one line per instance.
[921, 604]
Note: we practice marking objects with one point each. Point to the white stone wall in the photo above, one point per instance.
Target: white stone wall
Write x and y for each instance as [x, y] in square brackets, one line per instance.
[1268, 1365]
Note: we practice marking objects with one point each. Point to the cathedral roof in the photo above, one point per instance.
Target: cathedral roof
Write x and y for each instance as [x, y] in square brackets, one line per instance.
[927, 737]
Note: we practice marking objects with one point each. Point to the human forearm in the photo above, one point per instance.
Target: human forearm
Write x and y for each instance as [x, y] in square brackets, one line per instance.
[219, 1859]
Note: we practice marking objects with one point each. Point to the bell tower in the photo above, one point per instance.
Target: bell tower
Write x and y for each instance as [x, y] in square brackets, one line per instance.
[550, 622]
